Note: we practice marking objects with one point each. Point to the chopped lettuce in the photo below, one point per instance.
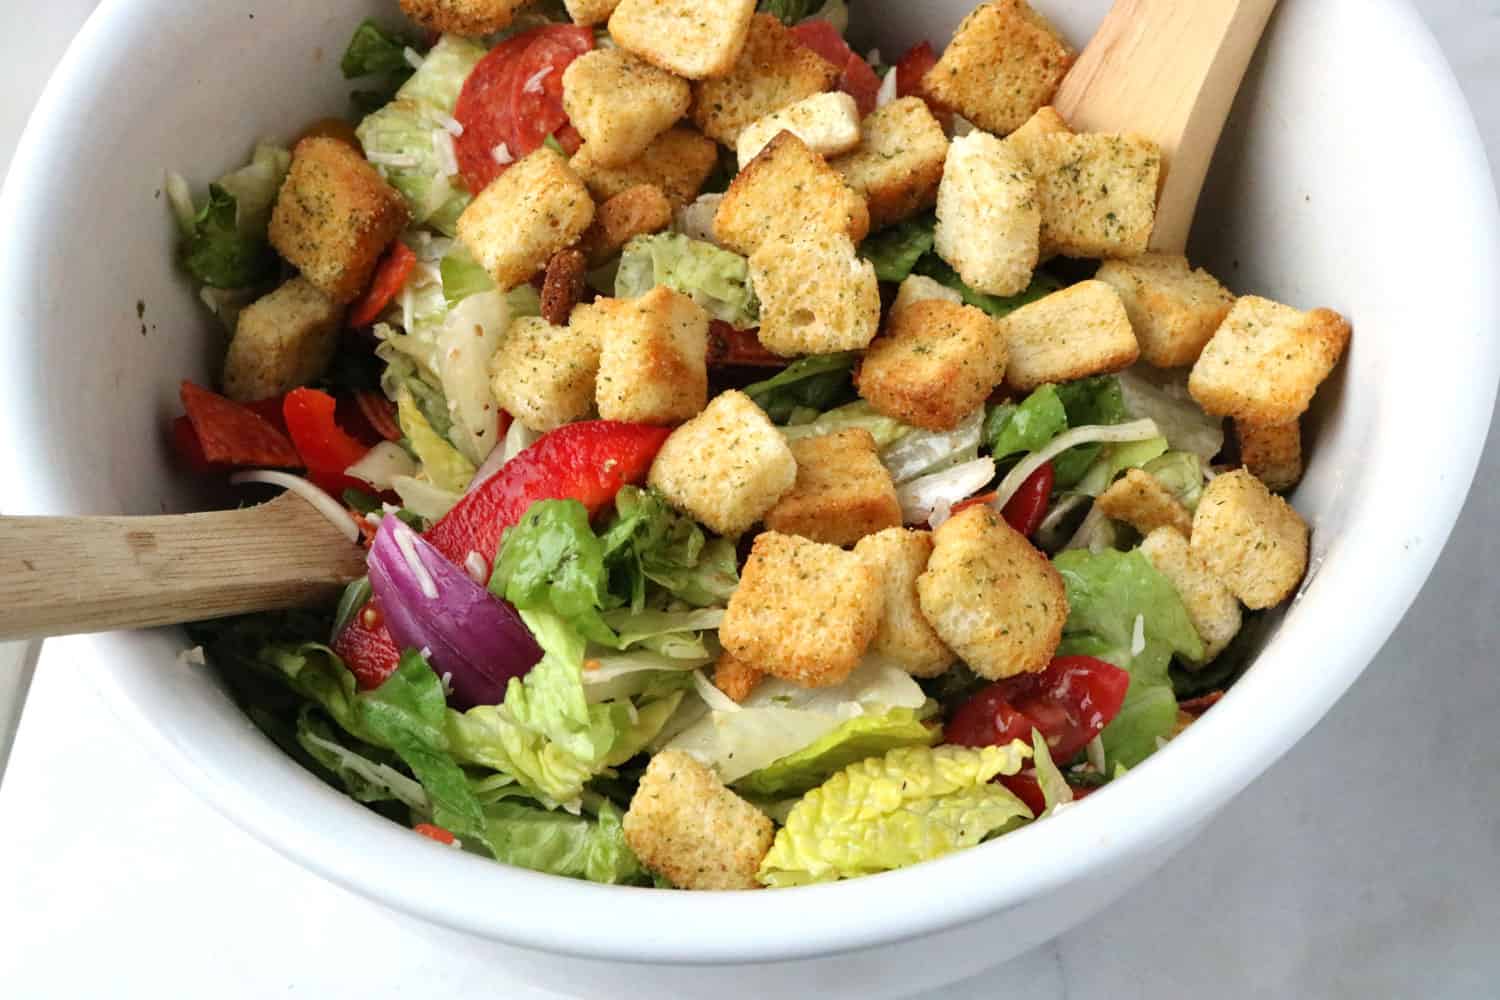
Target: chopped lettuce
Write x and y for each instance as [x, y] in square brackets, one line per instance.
[550, 699]
[463, 276]
[441, 76]
[373, 50]
[1163, 397]
[442, 464]
[423, 499]
[716, 279]
[1181, 472]
[562, 844]
[366, 773]
[490, 736]
[895, 250]
[819, 382]
[790, 11]
[1115, 459]
[1015, 429]
[218, 253]
[860, 737]
[254, 188]
[407, 143]
[885, 430]
[1089, 402]
[649, 542]
[469, 338]
[1055, 788]
[923, 453]
[552, 562]
[1042, 285]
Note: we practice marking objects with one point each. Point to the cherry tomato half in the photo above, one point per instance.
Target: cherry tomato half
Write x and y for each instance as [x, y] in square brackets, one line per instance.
[1069, 703]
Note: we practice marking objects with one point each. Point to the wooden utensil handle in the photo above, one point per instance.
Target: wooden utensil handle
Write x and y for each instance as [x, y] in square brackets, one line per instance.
[61, 575]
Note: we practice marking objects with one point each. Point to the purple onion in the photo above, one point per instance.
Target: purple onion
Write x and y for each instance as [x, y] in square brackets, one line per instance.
[431, 605]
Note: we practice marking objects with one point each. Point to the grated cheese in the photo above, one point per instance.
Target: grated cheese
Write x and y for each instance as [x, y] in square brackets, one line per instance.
[477, 568]
[414, 562]
[442, 145]
[1138, 637]
[326, 505]
[413, 57]
[193, 656]
[533, 84]
[501, 155]
[397, 160]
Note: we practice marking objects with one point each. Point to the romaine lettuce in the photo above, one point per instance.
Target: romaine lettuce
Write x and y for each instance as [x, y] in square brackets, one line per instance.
[1163, 397]
[441, 76]
[895, 250]
[218, 253]
[819, 382]
[885, 430]
[408, 145]
[716, 279]
[934, 267]
[443, 466]
[860, 737]
[1182, 473]
[1015, 429]
[469, 338]
[551, 561]
[561, 844]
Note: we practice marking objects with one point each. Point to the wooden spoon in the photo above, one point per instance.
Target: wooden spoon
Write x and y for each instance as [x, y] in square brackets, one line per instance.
[1167, 70]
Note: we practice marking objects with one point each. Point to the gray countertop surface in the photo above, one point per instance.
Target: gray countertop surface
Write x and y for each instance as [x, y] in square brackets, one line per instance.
[1366, 863]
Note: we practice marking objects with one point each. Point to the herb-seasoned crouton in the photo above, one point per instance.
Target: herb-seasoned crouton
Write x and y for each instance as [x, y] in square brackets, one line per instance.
[334, 216]
[899, 557]
[1141, 501]
[1080, 331]
[1098, 193]
[842, 492]
[1023, 141]
[991, 596]
[1272, 452]
[773, 71]
[470, 18]
[738, 680]
[1005, 62]
[920, 288]
[899, 161]
[1173, 309]
[692, 38]
[817, 295]
[543, 375]
[527, 214]
[936, 364]
[1213, 610]
[590, 12]
[828, 124]
[677, 162]
[640, 211]
[620, 104]
[283, 340]
[1266, 361]
[988, 218]
[785, 191]
[727, 466]
[804, 611]
[684, 824]
[1251, 539]
[653, 361]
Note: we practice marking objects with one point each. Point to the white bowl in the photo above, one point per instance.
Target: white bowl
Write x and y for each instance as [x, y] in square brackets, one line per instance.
[1351, 177]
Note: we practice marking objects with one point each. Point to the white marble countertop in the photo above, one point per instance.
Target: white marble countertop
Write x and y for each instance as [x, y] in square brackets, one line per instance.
[1363, 864]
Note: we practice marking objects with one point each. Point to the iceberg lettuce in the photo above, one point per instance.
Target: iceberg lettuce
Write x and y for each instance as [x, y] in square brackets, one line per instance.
[716, 279]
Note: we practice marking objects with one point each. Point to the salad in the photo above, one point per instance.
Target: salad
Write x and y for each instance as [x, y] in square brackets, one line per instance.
[777, 464]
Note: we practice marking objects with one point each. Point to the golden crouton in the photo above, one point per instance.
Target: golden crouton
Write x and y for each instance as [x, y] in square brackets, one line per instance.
[1272, 452]
[283, 340]
[1213, 610]
[936, 364]
[470, 18]
[804, 611]
[738, 680]
[904, 637]
[785, 191]
[727, 466]
[1251, 539]
[653, 359]
[692, 38]
[1141, 501]
[989, 222]
[620, 104]
[1080, 331]
[1266, 361]
[590, 12]
[899, 161]
[1173, 309]
[677, 162]
[639, 211]
[1098, 193]
[842, 492]
[334, 216]
[817, 295]
[1023, 141]
[543, 375]
[828, 124]
[920, 288]
[527, 214]
[773, 71]
[1005, 62]
[684, 824]
[992, 596]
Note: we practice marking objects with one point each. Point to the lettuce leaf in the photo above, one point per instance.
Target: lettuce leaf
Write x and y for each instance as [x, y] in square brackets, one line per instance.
[860, 737]
[489, 736]
[373, 50]
[1163, 397]
[218, 254]
[1181, 472]
[550, 699]
[402, 139]
[442, 464]
[1055, 788]
[365, 772]
[885, 430]
[1016, 429]
[1115, 459]
[819, 382]
[562, 844]
[895, 250]
[934, 267]
[790, 11]
[551, 561]
[715, 278]
[463, 276]
[441, 76]
[648, 541]
[1089, 402]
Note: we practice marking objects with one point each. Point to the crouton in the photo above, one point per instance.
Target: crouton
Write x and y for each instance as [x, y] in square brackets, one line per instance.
[828, 124]
[678, 162]
[620, 104]
[1272, 452]
[1005, 62]
[684, 824]
[785, 191]
[653, 360]
[697, 39]
[1080, 331]
[470, 18]
[842, 492]
[920, 288]
[639, 211]
[804, 611]
[1023, 141]
[1266, 360]
[334, 216]
[590, 12]
[774, 71]
[1097, 193]
[283, 340]
[936, 364]
[1173, 309]
[543, 375]
[899, 161]
[737, 679]
[1141, 501]
[989, 222]
[1213, 610]
[727, 466]
[536, 208]
[992, 596]
[817, 295]
[904, 637]
[1251, 539]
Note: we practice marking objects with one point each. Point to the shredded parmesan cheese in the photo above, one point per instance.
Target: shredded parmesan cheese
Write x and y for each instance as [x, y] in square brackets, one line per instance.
[887, 92]
[397, 160]
[1138, 638]
[414, 562]
[477, 568]
[501, 155]
[324, 504]
[413, 57]
[442, 144]
[533, 84]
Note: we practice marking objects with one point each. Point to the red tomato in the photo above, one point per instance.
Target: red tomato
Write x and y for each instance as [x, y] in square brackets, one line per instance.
[1026, 509]
[366, 648]
[860, 82]
[536, 102]
[390, 277]
[1070, 703]
[912, 68]
[323, 444]
[1029, 790]
[436, 833]
[730, 347]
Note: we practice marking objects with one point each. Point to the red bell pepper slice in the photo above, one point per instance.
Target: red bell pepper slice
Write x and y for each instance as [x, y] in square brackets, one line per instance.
[390, 277]
[233, 434]
[379, 413]
[324, 446]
